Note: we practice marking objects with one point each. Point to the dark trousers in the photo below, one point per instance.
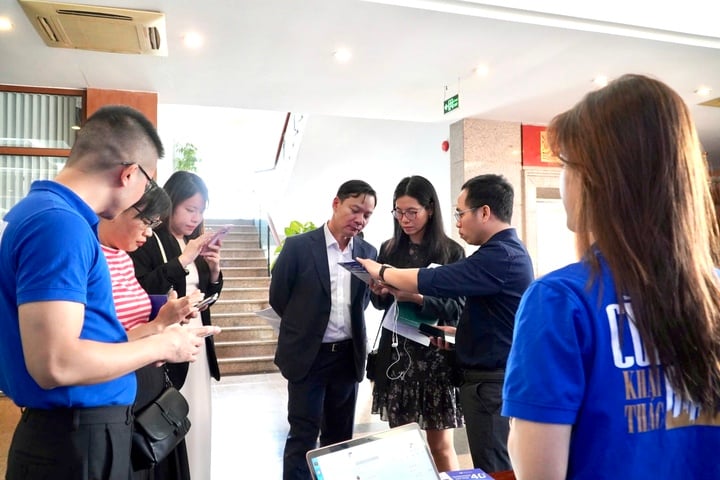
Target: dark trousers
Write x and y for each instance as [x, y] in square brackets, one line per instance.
[487, 430]
[72, 444]
[323, 403]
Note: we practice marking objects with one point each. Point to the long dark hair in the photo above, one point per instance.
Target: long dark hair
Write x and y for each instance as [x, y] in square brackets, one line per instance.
[645, 202]
[434, 238]
[182, 185]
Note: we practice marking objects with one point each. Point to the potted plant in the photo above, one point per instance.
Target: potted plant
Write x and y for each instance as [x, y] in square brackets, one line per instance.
[294, 228]
[186, 157]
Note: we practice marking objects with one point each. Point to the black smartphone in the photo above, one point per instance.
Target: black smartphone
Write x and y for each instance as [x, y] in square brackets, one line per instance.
[432, 331]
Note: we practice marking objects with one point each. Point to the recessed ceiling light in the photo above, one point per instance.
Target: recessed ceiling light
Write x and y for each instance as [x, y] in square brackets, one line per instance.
[703, 91]
[482, 70]
[342, 55]
[193, 40]
[5, 24]
[600, 80]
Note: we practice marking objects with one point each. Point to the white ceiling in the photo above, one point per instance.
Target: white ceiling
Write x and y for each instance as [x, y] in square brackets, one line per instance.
[277, 55]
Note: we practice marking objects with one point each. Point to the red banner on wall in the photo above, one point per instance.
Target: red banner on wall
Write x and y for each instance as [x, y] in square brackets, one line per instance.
[535, 149]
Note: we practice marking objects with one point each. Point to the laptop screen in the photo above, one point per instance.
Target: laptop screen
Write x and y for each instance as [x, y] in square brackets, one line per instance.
[397, 453]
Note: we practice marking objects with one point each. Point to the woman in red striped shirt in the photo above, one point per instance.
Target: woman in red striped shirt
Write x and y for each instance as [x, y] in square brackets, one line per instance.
[126, 233]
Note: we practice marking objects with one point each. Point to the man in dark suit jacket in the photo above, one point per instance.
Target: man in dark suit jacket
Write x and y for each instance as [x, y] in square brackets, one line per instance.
[322, 342]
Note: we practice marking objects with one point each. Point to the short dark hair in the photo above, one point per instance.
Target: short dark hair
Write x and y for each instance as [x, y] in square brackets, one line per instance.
[154, 204]
[182, 185]
[355, 188]
[111, 133]
[492, 190]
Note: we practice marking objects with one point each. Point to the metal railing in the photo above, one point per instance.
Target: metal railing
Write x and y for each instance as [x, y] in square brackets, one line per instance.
[268, 239]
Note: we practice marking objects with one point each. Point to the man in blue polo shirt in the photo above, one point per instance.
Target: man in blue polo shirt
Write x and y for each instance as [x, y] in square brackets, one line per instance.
[492, 279]
[64, 356]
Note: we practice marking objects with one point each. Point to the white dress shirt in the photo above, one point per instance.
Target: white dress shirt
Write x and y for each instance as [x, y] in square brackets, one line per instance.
[339, 326]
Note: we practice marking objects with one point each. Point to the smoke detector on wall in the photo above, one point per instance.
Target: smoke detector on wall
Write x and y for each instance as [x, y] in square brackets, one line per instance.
[103, 29]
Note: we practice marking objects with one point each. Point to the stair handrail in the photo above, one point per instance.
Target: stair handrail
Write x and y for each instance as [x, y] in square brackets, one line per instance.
[269, 239]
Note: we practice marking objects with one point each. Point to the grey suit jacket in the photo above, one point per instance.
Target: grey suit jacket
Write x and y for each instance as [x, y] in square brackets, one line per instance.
[300, 294]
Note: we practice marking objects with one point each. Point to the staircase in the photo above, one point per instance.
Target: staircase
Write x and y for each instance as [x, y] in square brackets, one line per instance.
[247, 343]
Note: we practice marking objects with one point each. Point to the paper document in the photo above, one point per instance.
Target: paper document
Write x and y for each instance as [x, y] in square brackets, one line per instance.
[270, 316]
[407, 331]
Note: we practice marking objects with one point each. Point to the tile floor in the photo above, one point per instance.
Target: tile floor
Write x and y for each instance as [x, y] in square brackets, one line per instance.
[249, 426]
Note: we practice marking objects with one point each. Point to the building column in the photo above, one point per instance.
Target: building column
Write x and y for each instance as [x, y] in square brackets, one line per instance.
[484, 146]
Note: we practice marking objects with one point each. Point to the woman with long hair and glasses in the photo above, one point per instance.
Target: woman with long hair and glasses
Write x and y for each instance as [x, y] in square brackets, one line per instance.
[413, 382]
[178, 257]
[614, 370]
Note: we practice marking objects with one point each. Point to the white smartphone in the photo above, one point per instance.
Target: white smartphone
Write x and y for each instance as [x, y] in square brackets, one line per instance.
[207, 301]
[207, 334]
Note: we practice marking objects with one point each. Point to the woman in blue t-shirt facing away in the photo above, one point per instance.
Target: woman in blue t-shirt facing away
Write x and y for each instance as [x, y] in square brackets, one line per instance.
[614, 370]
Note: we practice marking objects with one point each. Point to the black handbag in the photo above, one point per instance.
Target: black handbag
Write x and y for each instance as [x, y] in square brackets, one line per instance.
[159, 427]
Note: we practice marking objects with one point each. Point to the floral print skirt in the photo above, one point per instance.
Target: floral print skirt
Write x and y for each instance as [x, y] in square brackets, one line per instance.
[418, 389]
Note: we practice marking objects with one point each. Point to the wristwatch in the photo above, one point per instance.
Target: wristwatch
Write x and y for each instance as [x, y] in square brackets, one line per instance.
[381, 274]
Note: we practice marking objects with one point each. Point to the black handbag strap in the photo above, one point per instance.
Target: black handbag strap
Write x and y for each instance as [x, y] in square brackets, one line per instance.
[377, 335]
[168, 383]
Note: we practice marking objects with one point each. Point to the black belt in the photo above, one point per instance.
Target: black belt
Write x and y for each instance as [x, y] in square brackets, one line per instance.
[334, 347]
[79, 416]
[474, 375]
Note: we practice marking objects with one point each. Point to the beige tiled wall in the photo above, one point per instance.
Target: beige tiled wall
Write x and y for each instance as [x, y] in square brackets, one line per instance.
[484, 146]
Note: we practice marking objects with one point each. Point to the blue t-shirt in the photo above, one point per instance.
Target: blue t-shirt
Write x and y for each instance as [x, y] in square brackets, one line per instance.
[49, 251]
[493, 280]
[569, 364]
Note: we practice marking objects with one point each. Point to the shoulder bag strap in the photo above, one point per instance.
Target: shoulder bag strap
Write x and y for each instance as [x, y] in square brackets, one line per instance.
[162, 249]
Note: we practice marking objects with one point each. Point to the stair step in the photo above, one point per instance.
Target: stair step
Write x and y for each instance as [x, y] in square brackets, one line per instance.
[241, 319]
[242, 240]
[245, 282]
[247, 365]
[245, 348]
[256, 262]
[241, 252]
[245, 271]
[240, 306]
[244, 293]
[240, 333]
[240, 222]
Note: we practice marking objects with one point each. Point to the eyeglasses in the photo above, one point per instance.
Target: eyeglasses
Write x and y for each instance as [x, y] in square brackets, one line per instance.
[150, 182]
[459, 214]
[151, 224]
[409, 214]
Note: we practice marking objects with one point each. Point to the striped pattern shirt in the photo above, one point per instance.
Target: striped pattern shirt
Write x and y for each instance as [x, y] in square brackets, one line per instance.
[131, 301]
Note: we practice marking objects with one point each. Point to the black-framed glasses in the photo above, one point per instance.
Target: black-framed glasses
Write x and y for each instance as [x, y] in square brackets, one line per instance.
[150, 182]
[458, 214]
[409, 214]
[151, 224]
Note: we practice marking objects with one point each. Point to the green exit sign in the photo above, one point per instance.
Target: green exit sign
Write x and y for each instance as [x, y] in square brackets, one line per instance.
[451, 103]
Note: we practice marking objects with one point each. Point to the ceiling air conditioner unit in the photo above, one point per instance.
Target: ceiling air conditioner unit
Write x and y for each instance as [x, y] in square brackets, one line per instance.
[104, 29]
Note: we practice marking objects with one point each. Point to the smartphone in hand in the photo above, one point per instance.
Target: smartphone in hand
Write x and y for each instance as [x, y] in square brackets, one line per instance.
[217, 236]
[206, 302]
[432, 331]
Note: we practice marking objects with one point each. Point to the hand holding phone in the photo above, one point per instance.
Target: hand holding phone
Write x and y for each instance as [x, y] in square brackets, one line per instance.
[432, 331]
[217, 236]
[206, 331]
[206, 302]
